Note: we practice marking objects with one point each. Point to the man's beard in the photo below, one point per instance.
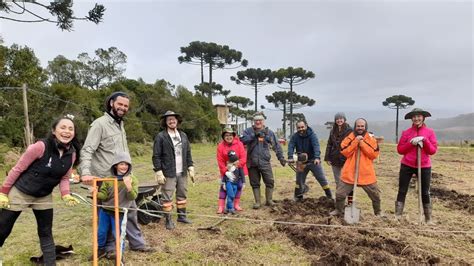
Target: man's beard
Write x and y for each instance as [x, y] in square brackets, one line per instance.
[360, 132]
[302, 132]
[115, 113]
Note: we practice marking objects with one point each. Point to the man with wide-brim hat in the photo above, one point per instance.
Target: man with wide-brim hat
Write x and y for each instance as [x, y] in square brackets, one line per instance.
[418, 136]
[172, 163]
[260, 140]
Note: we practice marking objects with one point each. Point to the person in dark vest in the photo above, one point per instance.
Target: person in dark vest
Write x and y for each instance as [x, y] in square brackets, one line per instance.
[44, 165]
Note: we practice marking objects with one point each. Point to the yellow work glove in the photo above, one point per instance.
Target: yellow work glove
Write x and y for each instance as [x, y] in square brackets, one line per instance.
[4, 201]
[70, 200]
[160, 177]
[191, 173]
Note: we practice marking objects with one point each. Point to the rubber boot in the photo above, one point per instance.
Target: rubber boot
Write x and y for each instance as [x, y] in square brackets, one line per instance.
[237, 205]
[269, 197]
[220, 206]
[256, 195]
[377, 209]
[399, 209]
[182, 217]
[328, 192]
[339, 211]
[427, 211]
[169, 222]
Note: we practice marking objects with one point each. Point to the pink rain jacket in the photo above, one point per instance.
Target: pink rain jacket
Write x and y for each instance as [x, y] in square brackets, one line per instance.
[405, 148]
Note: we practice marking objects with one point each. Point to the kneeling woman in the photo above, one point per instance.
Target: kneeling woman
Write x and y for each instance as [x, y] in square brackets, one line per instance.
[418, 135]
[43, 166]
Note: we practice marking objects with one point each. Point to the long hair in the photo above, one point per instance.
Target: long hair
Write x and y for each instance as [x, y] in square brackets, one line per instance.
[74, 142]
[335, 132]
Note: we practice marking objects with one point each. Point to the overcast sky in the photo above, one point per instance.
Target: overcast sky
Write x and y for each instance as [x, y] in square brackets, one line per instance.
[361, 51]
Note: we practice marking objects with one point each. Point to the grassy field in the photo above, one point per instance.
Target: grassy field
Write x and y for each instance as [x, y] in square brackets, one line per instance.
[248, 241]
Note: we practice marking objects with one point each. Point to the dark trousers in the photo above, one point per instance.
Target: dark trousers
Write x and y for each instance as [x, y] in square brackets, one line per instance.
[406, 173]
[44, 222]
[133, 232]
[261, 172]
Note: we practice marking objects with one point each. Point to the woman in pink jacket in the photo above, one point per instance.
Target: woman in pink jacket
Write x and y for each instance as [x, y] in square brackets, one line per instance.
[417, 135]
[230, 142]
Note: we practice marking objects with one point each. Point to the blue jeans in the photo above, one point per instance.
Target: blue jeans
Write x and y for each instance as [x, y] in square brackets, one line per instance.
[106, 223]
[318, 173]
[231, 192]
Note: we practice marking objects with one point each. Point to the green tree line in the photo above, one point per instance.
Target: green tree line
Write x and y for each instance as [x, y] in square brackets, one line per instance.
[79, 87]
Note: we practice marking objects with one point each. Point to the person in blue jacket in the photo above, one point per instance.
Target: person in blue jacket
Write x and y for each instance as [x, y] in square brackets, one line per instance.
[308, 155]
[259, 139]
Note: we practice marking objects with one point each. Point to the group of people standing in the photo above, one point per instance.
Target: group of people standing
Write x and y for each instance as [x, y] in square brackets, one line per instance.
[349, 151]
[48, 163]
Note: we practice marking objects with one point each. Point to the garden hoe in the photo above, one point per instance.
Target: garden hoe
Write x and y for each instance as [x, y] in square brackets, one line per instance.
[351, 213]
[420, 203]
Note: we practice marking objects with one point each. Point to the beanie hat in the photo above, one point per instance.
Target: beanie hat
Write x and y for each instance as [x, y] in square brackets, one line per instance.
[339, 115]
[232, 156]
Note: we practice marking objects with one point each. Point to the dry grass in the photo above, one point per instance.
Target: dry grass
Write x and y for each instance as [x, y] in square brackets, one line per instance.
[243, 242]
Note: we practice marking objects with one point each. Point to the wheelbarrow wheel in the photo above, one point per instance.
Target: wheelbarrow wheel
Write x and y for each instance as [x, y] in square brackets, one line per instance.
[151, 206]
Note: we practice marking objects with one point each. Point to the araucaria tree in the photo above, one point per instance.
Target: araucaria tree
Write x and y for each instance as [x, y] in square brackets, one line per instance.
[237, 104]
[281, 99]
[212, 55]
[254, 77]
[22, 11]
[398, 102]
[292, 77]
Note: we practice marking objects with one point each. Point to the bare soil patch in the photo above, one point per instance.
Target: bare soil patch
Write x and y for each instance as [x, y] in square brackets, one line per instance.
[345, 245]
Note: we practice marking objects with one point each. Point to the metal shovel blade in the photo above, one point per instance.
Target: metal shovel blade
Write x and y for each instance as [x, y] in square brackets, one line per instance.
[351, 214]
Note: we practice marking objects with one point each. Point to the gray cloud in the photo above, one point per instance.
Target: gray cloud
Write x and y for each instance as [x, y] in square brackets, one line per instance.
[361, 52]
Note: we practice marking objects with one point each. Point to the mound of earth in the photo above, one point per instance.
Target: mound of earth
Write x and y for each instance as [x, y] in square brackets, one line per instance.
[346, 245]
[453, 199]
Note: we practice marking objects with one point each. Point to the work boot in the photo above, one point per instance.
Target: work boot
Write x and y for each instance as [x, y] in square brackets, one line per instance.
[339, 211]
[377, 209]
[328, 192]
[237, 205]
[182, 216]
[427, 211]
[169, 222]
[269, 196]
[220, 206]
[256, 195]
[399, 209]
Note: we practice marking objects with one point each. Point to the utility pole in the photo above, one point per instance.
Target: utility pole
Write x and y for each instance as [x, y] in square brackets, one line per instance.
[28, 138]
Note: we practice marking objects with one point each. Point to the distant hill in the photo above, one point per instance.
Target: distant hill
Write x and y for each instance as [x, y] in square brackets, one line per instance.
[456, 128]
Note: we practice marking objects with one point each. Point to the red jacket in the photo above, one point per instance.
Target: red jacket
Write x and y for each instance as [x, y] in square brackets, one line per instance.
[405, 148]
[223, 149]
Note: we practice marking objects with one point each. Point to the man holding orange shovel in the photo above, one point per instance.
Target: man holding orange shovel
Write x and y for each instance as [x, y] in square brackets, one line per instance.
[360, 149]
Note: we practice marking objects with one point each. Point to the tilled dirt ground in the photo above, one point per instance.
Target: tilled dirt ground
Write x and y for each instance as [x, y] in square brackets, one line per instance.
[348, 245]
